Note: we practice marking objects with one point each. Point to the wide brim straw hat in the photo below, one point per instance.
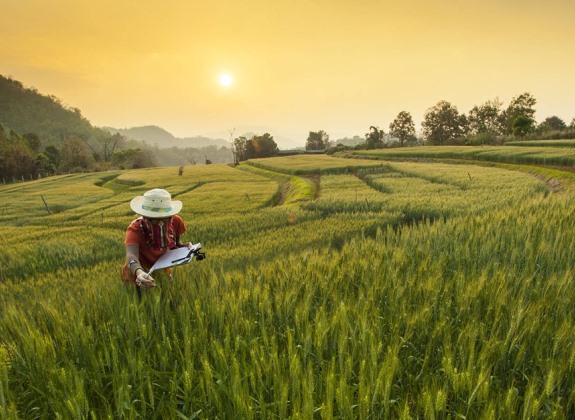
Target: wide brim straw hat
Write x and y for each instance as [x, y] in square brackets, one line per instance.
[156, 203]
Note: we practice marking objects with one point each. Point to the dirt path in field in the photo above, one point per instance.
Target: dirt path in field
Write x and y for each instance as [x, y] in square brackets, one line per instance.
[315, 178]
[555, 184]
[283, 193]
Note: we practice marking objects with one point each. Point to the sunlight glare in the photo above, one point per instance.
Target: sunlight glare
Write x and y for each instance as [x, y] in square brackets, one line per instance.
[225, 80]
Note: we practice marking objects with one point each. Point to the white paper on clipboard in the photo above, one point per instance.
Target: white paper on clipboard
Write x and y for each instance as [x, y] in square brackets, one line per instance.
[176, 256]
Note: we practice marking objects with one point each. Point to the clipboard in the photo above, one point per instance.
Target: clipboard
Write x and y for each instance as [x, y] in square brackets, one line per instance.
[176, 256]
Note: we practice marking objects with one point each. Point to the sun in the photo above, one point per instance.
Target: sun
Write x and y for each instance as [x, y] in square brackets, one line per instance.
[226, 80]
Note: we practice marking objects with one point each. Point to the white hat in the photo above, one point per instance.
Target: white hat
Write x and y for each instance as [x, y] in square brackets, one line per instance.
[156, 203]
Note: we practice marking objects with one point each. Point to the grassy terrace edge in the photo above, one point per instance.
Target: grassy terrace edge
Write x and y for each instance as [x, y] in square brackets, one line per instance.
[550, 164]
[551, 156]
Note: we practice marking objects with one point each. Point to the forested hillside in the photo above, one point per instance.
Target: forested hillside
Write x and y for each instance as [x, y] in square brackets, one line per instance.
[25, 110]
[40, 136]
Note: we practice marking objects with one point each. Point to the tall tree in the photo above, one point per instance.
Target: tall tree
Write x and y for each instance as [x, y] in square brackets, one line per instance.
[374, 139]
[44, 166]
[485, 118]
[239, 149]
[520, 106]
[53, 154]
[317, 140]
[16, 159]
[402, 127]
[553, 123]
[75, 156]
[109, 143]
[261, 146]
[522, 125]
[442, 124]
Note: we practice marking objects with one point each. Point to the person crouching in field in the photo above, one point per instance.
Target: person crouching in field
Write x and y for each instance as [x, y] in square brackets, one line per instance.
[158, 229]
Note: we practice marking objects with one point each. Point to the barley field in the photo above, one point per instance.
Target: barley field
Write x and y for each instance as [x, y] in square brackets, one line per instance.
[331, 288]
[556, 153]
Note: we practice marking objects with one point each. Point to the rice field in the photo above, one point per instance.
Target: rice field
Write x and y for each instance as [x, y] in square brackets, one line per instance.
[381, 290]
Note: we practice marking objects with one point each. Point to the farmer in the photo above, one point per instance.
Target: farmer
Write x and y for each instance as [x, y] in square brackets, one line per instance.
[157, 230]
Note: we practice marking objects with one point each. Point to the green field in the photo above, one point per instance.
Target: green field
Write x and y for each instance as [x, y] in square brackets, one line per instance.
[550, 154]
[332, 288]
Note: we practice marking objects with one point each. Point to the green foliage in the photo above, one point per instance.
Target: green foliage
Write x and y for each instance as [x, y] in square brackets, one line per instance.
[553, 123]
[256, 147]
[404, 290]
[483, 138]
[33, 141]
[374, 139]
[16, 156]
[317, 140]
[402, 127]
[75, 156]
[27, 111]
[239, 149]
[442, 124]
[521, 107]
[485, 118]
[61, 133]
[522, 125]
[132, 158]
[567, 134]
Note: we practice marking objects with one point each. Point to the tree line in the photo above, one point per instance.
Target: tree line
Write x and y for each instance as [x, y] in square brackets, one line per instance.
[488, 123]
[24, 157]
[39, 136]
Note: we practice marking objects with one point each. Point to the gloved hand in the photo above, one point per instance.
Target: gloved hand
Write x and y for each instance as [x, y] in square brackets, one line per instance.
[144, 280]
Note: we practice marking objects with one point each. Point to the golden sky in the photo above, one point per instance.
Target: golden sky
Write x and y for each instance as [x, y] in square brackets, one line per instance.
[296, 65]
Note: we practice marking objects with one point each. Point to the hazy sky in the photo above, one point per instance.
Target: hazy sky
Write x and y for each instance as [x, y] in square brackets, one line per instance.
[296, 65]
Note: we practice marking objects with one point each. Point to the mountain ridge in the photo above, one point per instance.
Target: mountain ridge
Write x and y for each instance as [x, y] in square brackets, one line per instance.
[155, 135]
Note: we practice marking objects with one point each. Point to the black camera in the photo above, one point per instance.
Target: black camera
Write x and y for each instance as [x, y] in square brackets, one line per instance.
[200, 256]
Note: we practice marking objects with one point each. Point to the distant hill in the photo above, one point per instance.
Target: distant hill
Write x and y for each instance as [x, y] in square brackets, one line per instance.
[25, 110]
[155, 135]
